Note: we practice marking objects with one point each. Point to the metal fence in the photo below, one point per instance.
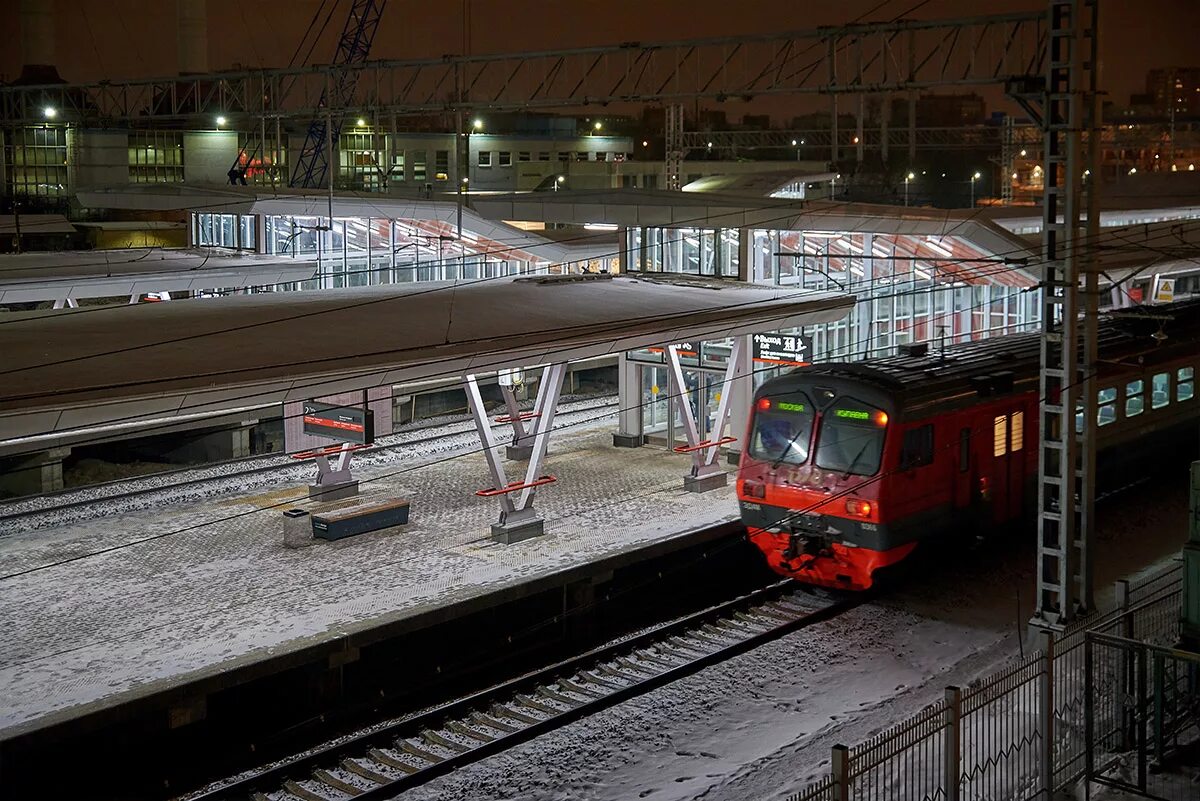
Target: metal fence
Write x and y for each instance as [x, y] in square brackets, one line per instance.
[1143, 702]
[1026, 731]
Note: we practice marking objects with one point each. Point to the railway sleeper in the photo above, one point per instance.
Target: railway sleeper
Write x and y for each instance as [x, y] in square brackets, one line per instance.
[579, 689]
[384, 758]
[565, 700]
[662, 657]
[499, 710]
[532, 703]
[298, 790]
[629, 664]
[750, 620]
[700, 636]
[609, 670]
[722, 635]
[735, 627]
[367, 773]
[336, 782]
[417, 751]
[466, 731]
[437, 738]
[687, 645]
[592, 678]
[484, 719]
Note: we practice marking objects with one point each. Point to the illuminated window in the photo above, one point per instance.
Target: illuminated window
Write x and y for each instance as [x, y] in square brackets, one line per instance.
[1183, 387]
[420, 160]
[39, 162]
[1135, 404]
[1160, 390]
[1106, 412]
[1017, 431]
[156, 157]
[1000, 436]
[441, 164]
[398, 165]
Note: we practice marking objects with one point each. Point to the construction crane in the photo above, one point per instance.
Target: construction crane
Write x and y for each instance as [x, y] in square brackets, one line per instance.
[312, 165]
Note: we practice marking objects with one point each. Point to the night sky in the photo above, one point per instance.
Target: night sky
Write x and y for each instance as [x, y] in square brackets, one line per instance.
[136, 38]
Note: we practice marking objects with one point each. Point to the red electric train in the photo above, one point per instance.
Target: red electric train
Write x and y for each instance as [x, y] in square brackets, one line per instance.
[850, 466]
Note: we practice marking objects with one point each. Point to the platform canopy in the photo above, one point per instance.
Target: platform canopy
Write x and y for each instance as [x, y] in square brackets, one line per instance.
[132, 366]
[33, 277]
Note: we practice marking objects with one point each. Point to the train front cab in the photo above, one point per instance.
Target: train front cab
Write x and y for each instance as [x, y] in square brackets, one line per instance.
[810, 482]
[835, 484]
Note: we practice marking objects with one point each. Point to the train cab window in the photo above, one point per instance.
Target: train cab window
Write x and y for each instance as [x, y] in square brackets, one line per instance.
[917, 448]
[782, 428]
[1135, 404]
[1000, 436]
[1183, 386]
[851, 438]
[1160, 390]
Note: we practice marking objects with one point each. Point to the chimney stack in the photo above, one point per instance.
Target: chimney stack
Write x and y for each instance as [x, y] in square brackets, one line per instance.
[193, 36]
[37, 43]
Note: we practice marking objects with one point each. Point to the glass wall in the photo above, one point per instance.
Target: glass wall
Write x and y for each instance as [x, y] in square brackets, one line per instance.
[39, 162]
[155, 157]
[910, 288]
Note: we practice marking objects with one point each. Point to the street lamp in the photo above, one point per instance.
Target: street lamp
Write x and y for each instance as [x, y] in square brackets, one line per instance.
[974, 178]
[49, 112]
[361, 123]
[561, 179]
[907, 178]
[221, 121]
[477, 124]
[598, 125]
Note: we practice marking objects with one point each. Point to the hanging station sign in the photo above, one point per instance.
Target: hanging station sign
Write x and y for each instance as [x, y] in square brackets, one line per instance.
[787, 349]
[343, 423]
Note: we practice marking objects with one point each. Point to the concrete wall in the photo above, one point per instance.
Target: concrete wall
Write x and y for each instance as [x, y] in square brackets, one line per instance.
[98, 158]
[208, 155]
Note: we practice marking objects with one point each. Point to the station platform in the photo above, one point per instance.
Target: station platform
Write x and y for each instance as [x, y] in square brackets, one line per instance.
[212, 590]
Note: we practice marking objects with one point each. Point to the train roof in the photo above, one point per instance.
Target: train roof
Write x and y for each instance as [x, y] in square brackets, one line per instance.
[927, 378]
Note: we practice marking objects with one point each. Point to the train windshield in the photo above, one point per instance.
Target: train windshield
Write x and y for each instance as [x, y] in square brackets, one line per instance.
[851, 438]
[782, 428]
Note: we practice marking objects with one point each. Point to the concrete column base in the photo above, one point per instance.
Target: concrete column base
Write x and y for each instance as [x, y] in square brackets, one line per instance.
[733, 457]
[508, 533]
[34, 473]
[518, 453]
[333, 492]
[297, 529]
[711, 481]
[627, 440]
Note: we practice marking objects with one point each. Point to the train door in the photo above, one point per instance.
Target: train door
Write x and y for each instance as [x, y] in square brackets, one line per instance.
[965, 474]
[1007, 480]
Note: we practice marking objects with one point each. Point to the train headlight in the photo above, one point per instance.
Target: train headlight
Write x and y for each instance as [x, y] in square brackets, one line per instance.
[754, 489]
[859, 508]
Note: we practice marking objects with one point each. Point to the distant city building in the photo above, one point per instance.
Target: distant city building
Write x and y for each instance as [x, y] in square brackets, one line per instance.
[942, 111]
[1174, 89]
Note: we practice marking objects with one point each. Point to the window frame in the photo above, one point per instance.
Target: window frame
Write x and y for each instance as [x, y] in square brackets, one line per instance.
[504, 158]
[1139, 395]
[916, 447]
[483, 158]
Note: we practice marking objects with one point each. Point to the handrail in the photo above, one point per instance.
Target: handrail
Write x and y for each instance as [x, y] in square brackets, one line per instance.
[515, 486]
[702, 445]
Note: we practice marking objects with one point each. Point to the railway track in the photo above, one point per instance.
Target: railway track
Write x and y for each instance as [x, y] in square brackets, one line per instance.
[31, 507]
[410, 752]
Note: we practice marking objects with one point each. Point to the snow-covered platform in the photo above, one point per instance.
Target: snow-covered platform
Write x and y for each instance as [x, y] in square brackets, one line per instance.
[178, 600]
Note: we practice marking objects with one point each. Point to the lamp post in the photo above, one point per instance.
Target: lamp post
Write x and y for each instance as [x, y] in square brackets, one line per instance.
[907, 178]
[974, 178]
[560, 179]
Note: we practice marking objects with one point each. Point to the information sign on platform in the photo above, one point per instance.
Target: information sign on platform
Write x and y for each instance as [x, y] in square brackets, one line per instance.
[343, 423]
[1164, 290]
[786, 349]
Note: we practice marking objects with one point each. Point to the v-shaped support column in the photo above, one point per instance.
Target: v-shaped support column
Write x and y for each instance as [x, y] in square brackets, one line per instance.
[706, 473]
[518, 520]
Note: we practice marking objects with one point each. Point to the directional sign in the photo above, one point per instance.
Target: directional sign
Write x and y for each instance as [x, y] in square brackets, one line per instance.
[787, 349]
[344, 423]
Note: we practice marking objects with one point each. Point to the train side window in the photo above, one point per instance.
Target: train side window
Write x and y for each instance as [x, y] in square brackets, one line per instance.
[917, 448]
[1135, 404]
[1000, 436]
[1016, 431]
[1184, 386]
[1160, 390]
[1106, 412]
[964, 449]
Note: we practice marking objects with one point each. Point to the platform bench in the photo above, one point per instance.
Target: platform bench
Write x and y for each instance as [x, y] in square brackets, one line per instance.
[359, 519]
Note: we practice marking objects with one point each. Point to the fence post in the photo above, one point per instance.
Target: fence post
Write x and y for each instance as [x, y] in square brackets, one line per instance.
[1047, 715]
[1123, 686]
[952, 744]
[841, 773]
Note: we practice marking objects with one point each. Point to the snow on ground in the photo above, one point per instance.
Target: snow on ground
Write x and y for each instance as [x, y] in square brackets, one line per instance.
[453, 435]
[220, 589]
[761, 725]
